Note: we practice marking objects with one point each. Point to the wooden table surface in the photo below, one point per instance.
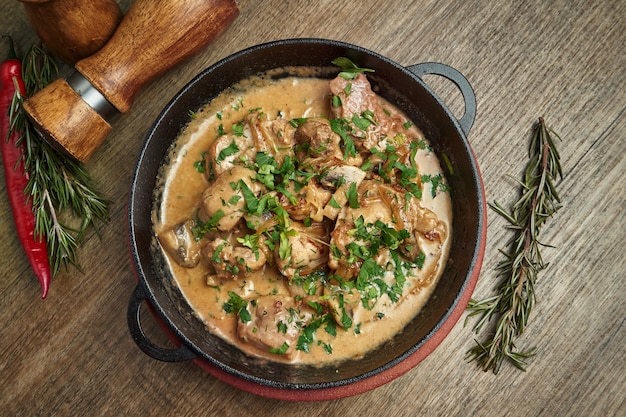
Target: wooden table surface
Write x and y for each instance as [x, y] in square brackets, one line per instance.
[72, 354]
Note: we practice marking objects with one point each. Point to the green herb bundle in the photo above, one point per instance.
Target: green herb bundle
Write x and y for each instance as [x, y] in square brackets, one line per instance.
[515, 295]
[65, 201]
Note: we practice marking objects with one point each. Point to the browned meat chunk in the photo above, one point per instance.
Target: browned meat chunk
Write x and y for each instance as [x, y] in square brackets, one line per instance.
[358, 100]
[308, 250]
[316, 139]
[227, 150]
[371, 208]
[273, 137]
[231, 261]
[276, 323]
[225, 196]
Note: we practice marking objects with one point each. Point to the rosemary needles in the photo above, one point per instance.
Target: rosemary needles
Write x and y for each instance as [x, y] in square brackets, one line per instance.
[515, 296]
[65, 202]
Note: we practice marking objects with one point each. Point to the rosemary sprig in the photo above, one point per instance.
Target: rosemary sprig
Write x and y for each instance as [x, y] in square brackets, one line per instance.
[515, 292]
[65, 201]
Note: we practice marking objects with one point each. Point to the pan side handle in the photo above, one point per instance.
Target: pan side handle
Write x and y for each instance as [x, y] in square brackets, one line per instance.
[182, 353]
[435, 68]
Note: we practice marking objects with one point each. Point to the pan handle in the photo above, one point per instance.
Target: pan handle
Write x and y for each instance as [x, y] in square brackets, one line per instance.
[460, 81]
[183, 353]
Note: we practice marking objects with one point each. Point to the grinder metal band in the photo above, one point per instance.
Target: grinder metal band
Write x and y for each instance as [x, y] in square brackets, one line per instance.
[92, 96]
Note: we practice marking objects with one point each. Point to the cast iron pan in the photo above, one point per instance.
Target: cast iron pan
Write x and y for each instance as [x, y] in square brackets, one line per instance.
[448, 135]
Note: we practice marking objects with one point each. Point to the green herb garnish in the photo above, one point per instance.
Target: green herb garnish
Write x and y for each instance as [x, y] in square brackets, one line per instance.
[349, 69]
[227, 151]
[237, 305]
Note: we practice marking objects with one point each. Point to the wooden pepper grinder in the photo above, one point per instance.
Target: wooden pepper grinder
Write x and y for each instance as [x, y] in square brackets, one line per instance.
[73, 29]
[75, 114]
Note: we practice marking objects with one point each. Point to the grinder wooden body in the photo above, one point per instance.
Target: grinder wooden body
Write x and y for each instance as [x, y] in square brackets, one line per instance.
[154, 36]
[73, 29]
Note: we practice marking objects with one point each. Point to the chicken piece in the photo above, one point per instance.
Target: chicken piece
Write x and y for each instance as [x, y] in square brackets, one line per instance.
[371, 206]
[273, 137]
[231, 262]
[225, 195]
[307, 250]
[389, 205]
[276, 323]
[227, 150]
[180, 243]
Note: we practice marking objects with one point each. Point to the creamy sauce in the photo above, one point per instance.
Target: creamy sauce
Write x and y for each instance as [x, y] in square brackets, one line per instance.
[182, 195]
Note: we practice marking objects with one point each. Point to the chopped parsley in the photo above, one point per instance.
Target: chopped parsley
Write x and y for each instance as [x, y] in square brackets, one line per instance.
[326, 346]
[238, 128]
[202, 228]
[349, 69]
[200, 165]
[365, 120]
[307, 333]
[227, 151]
[298, 121]
[281, 350]
[353, 196]
[343, 128]
[237, 305]
[437, 184]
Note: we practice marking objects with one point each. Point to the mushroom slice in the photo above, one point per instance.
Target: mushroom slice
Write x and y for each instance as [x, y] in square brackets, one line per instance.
[180, 243]
[342, 177]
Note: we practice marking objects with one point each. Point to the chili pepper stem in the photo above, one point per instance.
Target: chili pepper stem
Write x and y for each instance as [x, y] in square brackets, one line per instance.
[11, 55]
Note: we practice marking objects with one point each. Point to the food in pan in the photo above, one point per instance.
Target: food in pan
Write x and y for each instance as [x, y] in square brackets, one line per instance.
[304, 219]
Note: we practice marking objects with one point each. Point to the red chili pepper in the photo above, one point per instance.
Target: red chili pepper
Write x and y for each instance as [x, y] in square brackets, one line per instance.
[15, 176]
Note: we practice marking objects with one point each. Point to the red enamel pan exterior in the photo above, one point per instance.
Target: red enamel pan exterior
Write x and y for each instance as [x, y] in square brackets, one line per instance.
[404, 87]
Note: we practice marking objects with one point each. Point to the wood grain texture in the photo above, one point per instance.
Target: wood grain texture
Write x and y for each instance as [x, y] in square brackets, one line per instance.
[151, 39]
[66, 120]
[564, 60]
